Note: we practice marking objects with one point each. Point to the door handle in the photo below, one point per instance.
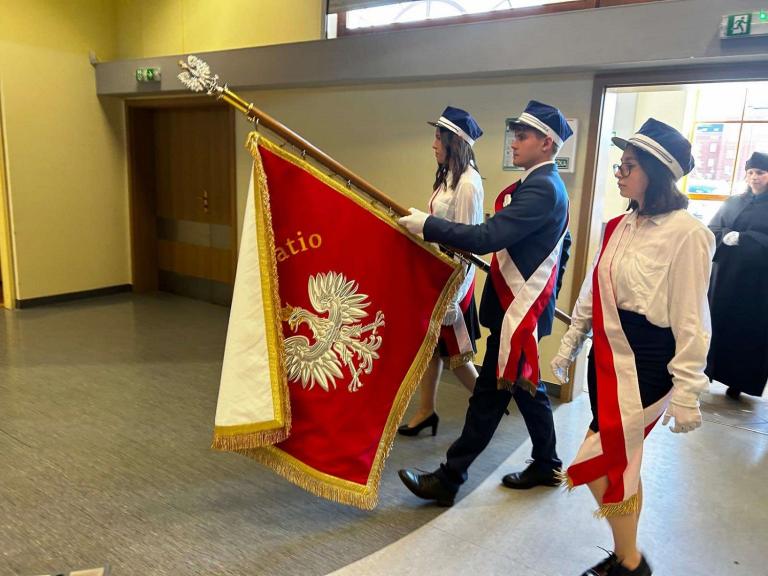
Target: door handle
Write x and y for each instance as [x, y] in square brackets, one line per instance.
[204, 198]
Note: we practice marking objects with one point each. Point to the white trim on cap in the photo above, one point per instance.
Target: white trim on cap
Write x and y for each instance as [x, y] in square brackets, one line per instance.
[448, 125]
[534, 122]
[659, 152]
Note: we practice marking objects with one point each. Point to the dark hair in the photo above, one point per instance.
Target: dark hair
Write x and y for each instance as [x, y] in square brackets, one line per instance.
[540, 135]
[458, 155]
[661, 195]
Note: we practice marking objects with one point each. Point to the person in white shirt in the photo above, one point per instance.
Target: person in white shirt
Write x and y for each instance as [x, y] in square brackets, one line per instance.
[645, 304]
[457, 196]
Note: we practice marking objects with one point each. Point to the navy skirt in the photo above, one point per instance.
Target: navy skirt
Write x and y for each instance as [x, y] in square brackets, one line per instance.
[653, 347]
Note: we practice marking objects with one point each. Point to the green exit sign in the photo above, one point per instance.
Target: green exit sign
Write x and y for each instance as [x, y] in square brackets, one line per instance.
[745, 24]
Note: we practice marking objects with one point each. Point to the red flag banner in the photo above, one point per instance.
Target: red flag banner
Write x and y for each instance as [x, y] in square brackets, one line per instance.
[324, 352]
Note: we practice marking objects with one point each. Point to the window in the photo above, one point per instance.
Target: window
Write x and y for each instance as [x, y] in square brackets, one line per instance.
[360, 16]
[430, 9]
[730, 122]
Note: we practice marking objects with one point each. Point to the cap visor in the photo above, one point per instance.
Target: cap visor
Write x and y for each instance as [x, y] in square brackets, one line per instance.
[432, 123]
[517, 122]
[620, 142]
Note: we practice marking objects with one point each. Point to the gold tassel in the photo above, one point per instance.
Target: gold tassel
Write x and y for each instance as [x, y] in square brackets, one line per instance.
[629, 506]
[505, 384]
[523, 383]
[564, 479]
[460, 359]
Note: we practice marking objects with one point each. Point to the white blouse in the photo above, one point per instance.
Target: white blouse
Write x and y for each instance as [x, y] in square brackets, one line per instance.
[661, 270]
[464, 205]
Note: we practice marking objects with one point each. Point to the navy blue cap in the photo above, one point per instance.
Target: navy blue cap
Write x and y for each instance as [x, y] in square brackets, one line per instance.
[546, 119]
[460, 122]
[664, 143]
[757, 160]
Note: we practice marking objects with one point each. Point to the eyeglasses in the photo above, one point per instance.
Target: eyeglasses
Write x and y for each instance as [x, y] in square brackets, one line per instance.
[623, 170]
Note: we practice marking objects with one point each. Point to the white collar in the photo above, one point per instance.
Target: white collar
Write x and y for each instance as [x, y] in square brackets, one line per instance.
[656, 219]
[528, 172]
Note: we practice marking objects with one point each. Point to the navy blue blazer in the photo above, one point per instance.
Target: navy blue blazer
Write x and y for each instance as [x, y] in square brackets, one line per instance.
[528, 227]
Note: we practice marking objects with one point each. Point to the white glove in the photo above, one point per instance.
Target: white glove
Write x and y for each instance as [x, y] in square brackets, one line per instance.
[571, 344]
[560, 365]
[686, 419]
[414, 222]
[452, 315]
[731, 239]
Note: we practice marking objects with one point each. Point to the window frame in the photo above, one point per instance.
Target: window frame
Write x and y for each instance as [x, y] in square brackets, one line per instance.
[741, 123]
[511, 13]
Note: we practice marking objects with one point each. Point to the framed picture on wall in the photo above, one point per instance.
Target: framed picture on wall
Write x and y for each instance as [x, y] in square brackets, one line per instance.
[565, 160]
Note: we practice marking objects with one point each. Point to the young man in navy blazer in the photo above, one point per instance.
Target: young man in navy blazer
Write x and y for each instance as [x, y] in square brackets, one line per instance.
[528, 233]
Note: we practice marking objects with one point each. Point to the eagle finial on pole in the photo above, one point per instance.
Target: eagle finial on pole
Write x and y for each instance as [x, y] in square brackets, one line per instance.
[197, 76]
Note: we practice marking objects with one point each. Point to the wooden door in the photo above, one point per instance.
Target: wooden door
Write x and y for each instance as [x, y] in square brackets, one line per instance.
[189, 198]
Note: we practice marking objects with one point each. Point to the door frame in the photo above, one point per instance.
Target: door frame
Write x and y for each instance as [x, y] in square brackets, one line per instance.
[141, 192]
[7, 252]
[741, 72]
[588, 224]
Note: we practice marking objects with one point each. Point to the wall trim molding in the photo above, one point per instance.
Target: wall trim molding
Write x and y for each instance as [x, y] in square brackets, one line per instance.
[624, 37]
[70, 296]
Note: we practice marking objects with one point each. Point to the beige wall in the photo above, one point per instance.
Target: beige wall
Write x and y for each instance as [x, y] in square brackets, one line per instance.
[163, 27]
[380, 132]
[66, 153]
[64, 148]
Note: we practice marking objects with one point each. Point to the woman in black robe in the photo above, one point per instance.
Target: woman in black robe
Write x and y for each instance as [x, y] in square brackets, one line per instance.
[738, 293]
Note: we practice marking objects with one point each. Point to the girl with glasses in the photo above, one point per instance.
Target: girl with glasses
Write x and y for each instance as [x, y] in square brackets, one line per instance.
[645, 305]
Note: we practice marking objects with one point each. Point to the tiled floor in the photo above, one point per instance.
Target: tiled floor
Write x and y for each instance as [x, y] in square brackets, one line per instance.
[705, 511]
[106, 416]
[748, 413]
[106, 410]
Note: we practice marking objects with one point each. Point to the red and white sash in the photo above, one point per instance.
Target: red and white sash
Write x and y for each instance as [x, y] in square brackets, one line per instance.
[456, 336]
[616, 451]
[524, 301]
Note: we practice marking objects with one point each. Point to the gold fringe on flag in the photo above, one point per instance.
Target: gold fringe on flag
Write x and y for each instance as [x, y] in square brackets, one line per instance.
[243, 437]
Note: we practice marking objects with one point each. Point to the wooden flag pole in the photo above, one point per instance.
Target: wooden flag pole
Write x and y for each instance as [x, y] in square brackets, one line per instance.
[196, 76]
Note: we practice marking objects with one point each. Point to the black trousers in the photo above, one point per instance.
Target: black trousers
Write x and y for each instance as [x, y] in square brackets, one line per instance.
[486, 407]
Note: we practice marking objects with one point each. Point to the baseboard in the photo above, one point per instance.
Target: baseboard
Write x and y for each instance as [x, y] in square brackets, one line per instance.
[554, 389]
[57, 298]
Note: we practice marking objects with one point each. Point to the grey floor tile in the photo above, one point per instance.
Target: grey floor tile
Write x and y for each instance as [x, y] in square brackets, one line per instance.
[106, 416]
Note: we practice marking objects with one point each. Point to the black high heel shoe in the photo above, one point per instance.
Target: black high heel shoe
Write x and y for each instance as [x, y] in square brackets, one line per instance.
[432, 420]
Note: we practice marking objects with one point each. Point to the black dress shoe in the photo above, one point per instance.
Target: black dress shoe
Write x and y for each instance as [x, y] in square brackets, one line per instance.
[603, 568]
[642, 570]
[432, 420]
[427, 486]
[733, 393]
[532, 476]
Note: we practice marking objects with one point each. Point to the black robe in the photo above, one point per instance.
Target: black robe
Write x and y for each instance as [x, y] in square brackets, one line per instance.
[738, 295]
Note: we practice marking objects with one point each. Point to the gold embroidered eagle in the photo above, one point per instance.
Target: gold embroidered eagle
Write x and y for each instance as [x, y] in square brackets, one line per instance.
[337, 340]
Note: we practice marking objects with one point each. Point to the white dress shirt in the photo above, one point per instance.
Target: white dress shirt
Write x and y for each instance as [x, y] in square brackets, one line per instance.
[661, 270]
[464, 205]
